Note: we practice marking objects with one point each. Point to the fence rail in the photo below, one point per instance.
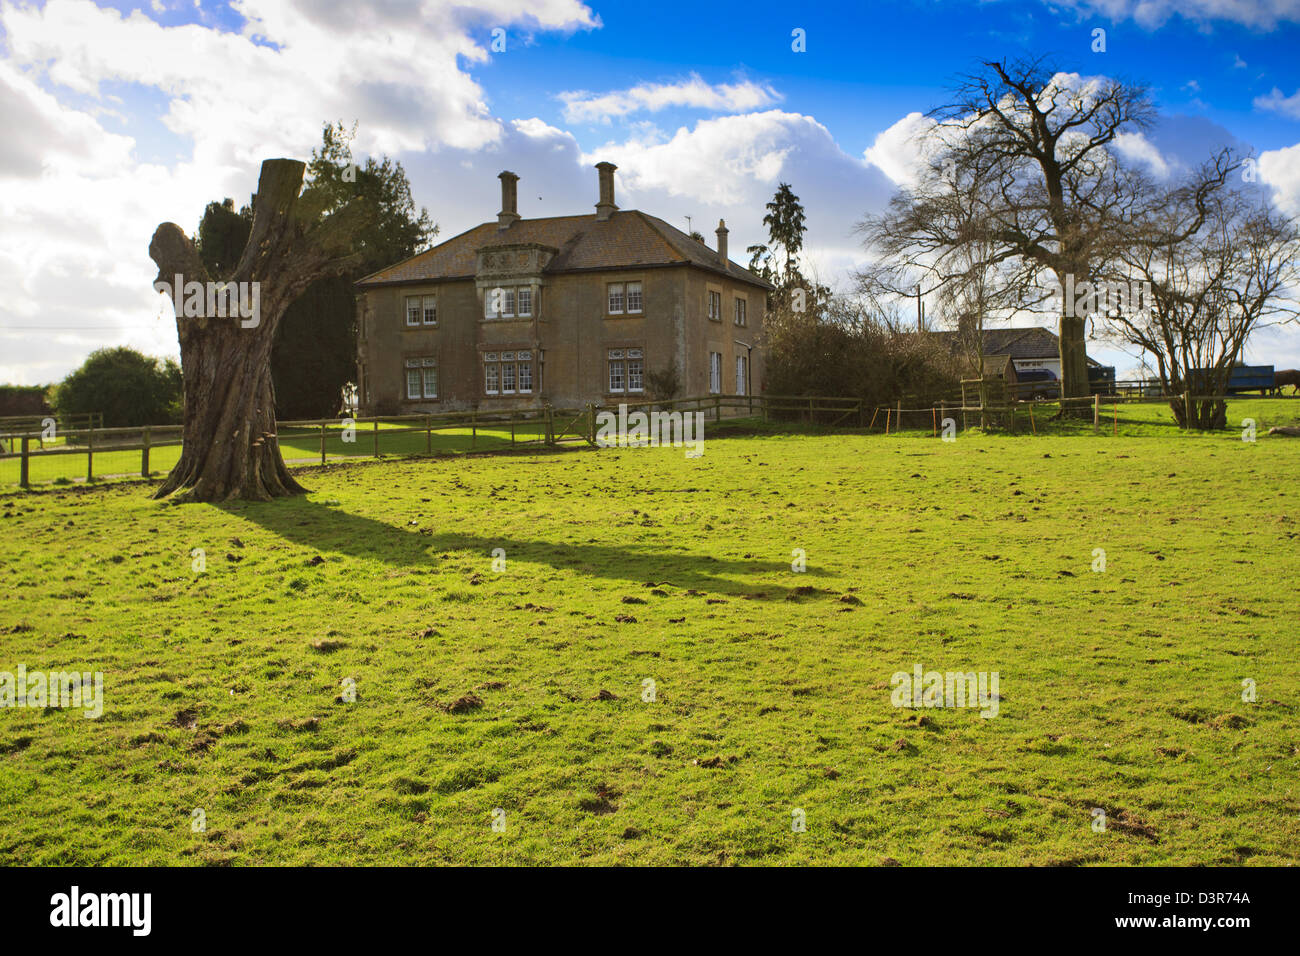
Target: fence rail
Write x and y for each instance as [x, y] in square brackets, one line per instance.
[154, 449]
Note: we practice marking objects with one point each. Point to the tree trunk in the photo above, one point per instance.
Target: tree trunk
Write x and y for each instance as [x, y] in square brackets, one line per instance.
[1074, 362]
[230, 446]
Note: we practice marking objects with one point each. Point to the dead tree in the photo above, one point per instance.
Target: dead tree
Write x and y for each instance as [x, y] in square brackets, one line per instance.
[230, 445]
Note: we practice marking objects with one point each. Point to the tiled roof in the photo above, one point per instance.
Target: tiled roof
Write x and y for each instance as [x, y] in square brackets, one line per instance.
[1033, 342]
[629, 239]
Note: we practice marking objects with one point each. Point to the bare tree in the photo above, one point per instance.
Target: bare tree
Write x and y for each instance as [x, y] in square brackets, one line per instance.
[1215, 266]
[1055, 202]
[230, 445]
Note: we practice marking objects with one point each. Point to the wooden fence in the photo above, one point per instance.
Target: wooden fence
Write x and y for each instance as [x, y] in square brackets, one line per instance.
[310, 442]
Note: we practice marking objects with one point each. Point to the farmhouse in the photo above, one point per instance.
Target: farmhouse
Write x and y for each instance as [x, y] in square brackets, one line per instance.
[566, 310]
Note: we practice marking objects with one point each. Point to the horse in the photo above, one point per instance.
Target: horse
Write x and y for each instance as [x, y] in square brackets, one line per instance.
[1288, 376]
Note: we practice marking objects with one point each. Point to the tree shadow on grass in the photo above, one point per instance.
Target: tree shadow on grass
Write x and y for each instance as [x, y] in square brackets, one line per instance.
[311, 524]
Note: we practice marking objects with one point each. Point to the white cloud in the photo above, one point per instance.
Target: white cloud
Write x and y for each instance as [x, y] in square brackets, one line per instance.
[1279, 169]
[901, 151]
[581, 106]
[1276, 102]
[1135, 147]
[1150, 14]
[79, 206]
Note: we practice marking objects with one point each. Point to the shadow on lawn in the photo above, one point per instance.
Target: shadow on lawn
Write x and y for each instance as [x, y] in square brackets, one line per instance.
[311, 524]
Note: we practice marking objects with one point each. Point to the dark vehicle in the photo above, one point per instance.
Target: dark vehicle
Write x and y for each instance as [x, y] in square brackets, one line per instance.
[1037, 383]
[1101, 379]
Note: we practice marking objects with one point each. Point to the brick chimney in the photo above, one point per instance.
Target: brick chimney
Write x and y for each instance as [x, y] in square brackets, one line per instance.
[606, 208]
[722, 245]
[509, 201]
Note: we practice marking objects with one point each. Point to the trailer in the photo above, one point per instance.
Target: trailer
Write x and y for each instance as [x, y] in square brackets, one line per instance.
[1244, 378]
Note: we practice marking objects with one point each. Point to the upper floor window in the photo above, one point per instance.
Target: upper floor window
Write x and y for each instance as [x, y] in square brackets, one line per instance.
[741, 317]
[715, 306]
[508, 302]
[421, 309]
[624, 298]
[422, 377]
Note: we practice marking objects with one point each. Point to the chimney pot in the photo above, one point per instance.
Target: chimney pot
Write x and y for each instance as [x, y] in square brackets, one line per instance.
[722, 245]
[509, 201]
[605, 207]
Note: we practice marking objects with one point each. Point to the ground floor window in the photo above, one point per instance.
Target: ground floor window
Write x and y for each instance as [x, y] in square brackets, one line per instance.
[715, 373]
[742, 374]
[421, 377]
[508, 373]
[626, 370]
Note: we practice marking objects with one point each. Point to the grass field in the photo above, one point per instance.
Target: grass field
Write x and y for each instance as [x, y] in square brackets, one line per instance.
[522, 689]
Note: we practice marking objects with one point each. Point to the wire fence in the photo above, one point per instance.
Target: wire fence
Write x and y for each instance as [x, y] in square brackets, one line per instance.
[83, 452]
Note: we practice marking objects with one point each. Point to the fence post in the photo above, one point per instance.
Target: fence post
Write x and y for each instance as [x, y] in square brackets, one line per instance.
[717, 408]
[862, 414]
[90, 453]
[144, 452]
[473, 427]
[1096, 414]
[900, 416]
[322, 442]
[762, 403]
[428, 434]
[1187, 410]
[512, 432]
[550, 427]
[22, 465]
[376, 437]
[591, 423]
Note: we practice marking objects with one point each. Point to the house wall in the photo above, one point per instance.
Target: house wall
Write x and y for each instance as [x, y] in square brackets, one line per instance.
[569, 335]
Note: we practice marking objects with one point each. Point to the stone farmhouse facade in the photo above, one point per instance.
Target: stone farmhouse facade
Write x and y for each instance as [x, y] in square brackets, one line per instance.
[519, 313]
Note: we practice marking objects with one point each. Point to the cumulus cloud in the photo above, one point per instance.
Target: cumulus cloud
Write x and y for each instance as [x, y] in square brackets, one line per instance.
[1150, 14]
[1276, 102]
[729, 167]
[78, 203]
[581, 106]
[1279, 169]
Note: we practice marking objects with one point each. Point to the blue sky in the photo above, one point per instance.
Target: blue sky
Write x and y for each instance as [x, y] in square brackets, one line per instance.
[128, 114]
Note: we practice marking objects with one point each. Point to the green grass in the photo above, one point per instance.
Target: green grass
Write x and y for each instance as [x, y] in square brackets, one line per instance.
[1120, 690]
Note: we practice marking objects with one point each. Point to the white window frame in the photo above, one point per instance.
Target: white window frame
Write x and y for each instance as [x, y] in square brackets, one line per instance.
[512, 367]
[413, 311]
[429, 305]
[613, 289]
[524, 292]
[412, 384]
[715, 305]
[742, 370]
[742, 309]
[715, 373]
[635, 357]
[640, 300]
